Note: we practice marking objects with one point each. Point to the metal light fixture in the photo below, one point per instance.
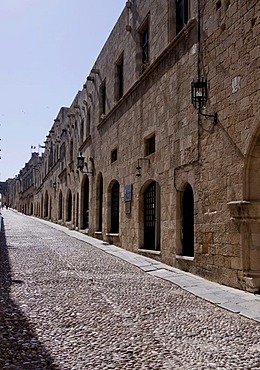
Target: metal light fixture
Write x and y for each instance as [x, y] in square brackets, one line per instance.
[138, 167]
[199, 97]
[81, 164]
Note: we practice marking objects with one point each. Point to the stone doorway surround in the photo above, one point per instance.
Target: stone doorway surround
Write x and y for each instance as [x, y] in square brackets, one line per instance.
[246, 214]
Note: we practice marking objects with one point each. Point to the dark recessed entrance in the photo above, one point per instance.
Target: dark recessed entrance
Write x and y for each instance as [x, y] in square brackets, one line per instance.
[115, 208]
[86, 204]
[151, 218]
[100, 204]
[69, 209]
[188, 222]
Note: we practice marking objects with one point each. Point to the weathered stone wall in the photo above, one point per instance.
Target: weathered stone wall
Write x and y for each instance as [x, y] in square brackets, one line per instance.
[220, 162]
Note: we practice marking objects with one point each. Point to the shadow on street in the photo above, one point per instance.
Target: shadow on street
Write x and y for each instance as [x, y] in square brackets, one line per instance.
[19, 345]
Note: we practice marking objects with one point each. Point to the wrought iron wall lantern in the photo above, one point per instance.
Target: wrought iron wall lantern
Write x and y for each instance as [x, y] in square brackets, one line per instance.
[81, 164]
[138, 168]
[199, 97]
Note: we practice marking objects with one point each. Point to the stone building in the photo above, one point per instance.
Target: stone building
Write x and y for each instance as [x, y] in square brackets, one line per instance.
[159, 152]
[21, 189]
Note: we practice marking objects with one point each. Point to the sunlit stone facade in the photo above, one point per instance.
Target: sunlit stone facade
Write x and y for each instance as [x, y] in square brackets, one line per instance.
[163, 180]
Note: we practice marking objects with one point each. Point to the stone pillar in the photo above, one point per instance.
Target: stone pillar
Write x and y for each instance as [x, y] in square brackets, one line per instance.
[246, 214]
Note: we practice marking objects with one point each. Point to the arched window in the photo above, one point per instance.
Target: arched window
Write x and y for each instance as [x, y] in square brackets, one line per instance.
[115, 208]
[188, 222]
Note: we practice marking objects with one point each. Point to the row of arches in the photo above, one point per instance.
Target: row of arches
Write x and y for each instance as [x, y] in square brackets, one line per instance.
[75, 209]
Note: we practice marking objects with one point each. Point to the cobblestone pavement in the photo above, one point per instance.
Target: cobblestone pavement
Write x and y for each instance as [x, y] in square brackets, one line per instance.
[65, 304]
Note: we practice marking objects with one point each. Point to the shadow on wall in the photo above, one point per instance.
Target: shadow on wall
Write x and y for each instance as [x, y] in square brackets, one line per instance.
[19, 345]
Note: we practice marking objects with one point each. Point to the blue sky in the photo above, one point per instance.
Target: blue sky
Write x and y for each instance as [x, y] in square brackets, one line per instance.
[47, 50]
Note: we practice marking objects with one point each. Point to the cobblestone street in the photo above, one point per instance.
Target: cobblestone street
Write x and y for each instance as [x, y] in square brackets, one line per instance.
[64, 304]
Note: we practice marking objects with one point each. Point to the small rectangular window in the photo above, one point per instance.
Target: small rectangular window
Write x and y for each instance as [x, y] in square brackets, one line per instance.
[150, 145]
[119, 81]
[182, 14]
[113, 155]
[71, 150]
[62, 151]
[88, 122]
[102, 93]
[144, 44]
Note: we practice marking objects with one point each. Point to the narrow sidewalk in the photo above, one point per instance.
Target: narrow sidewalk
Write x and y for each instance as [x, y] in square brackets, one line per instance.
[237, 301]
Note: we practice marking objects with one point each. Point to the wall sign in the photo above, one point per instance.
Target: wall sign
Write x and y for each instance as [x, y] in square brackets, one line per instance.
[128, 193]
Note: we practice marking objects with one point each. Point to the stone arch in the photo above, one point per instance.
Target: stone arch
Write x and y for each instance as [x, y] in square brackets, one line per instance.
[248, 215]
[252, 169]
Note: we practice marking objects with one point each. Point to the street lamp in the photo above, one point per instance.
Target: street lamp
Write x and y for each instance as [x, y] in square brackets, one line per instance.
[199, 97]
[81, 164]
[138, 167]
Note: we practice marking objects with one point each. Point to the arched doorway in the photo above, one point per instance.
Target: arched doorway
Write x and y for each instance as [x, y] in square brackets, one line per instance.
[50, 209]
[42, 208]
[77, 211]
[100, 203]
[46, 205]
[85, 204]
[152, 216]
[188, 222]
[69, 206]
[248, 215]
[60, 206]
[114, 210]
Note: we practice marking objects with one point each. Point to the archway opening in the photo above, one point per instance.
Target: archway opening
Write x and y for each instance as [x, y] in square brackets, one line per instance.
[69, 207]
[188, 222]
[100, 203]
[60, 206]
[114, 215]
[152, 217]
[46, 205]
[85, 200]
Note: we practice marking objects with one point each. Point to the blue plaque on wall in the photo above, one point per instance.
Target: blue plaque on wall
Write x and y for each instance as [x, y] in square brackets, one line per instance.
[128, 192]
